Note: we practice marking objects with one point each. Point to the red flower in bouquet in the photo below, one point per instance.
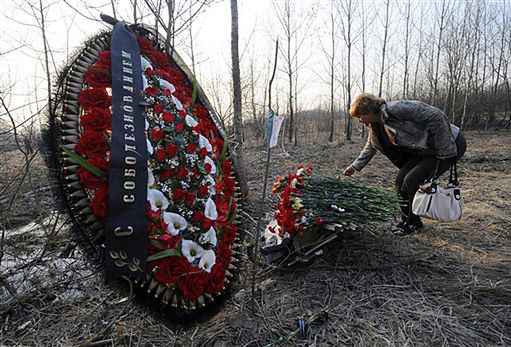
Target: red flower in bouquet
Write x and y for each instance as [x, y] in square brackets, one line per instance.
[216, 279]
[178, 194]
[166, 174]
[94, 97]
[172, 150]
[146, 46]
[160, 59]
[229, 234]
[223, 254]
[158, 108]
[170, 269]
[157, 134]
[168, 117]
[99, 202]
[161, 154]
[90, 180]
[91, 143]
[182, 173]
[98, 76]
[104, 58]
[193, 284]
[96, 119]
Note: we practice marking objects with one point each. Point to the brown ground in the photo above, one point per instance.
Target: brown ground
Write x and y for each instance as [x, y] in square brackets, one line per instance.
[449, 284]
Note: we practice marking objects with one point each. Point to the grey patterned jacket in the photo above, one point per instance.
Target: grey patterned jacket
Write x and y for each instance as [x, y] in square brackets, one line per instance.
[413, 125]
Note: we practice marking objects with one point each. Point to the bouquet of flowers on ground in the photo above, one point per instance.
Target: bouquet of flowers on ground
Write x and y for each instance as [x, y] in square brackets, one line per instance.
[310, 209]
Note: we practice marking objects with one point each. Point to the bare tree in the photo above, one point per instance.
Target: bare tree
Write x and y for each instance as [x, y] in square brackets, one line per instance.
[236, 82]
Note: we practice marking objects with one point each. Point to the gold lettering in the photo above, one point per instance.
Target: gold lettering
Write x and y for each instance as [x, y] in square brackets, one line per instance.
[130, 172]
[118, 231]
[130, 137]
[128, 198]
[130, 160]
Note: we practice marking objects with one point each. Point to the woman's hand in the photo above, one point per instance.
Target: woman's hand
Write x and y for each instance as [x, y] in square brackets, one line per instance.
[350, 170]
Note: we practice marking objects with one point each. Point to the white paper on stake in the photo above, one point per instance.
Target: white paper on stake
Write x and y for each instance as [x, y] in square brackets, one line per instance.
[277, 122]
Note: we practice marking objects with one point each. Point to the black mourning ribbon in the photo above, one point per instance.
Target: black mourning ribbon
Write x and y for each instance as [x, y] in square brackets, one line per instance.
[126, 225]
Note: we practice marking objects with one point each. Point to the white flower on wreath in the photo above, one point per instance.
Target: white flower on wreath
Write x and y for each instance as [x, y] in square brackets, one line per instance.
[190, 121]
[150, 149]
[157, 199]
[191, 250]
[210, 211]
[204, 142]
[150, 177]
[145, 64]
[211, 181]
[175, 222]
[210, 161]
[207, 260]
[166, 85]
[209, 237]
[299, 171]
[178, 103]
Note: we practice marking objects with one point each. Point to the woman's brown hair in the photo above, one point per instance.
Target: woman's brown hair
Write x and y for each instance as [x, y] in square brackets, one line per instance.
[366, 103]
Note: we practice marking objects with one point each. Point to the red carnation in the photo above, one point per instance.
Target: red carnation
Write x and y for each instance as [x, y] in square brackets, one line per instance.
[168, 117]
[92, 142]
[161, 155]
[229, 234]
[174, 74]
[151, 91]
[222, 204]
[178, 194]
[206, 224]
[216, 279]
[170, 269]
[158, 108]
[193, 284]
[191, 147]
[172, 150]
[157, 134]
[94, 97]
[208, 167]
[146, 46]
[150, 71]
[99, 202]
[190, 198]
[203, 152]
[104, 58]
[226, 167]
[198, 217]
[166, 174]
[223, 254]
[179, 127]
[89, 179]
[98, 76]
[160, 59]
[97, 119]
[203, 190]
[182, 173]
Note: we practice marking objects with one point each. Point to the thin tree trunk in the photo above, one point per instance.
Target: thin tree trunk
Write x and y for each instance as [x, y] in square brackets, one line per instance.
[236, 82]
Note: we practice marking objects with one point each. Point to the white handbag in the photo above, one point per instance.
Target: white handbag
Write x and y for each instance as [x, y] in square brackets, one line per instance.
[441, 204]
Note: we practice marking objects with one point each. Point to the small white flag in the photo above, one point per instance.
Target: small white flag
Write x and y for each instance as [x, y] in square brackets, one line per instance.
[277, 123]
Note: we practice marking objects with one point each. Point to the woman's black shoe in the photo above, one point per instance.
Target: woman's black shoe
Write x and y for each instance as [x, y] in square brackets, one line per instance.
[397, 227]
[407, 229]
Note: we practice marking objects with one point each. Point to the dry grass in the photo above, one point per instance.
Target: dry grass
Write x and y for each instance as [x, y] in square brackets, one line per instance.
[449, 284]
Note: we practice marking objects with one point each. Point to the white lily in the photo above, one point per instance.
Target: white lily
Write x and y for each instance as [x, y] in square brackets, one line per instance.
[145, 84]
[157, 199]
[144, 63]
[191, 250]
[209, 237]
[212, 182]
[210, 211]
[210, 161]
[175, 222]
[150, 149]
[150, 177]
[207, 260]
[190, 121]
[204, 142]
[166, 85]
[178, 103]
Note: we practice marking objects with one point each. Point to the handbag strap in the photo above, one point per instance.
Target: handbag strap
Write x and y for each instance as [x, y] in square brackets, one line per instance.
[453, 174]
